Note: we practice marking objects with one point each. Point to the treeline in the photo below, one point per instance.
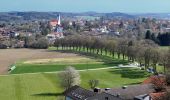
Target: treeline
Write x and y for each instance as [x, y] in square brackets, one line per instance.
[36, 42]
[32, 42]
[161, 39]
[145, 52]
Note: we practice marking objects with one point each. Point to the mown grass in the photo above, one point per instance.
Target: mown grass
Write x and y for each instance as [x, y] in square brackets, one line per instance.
[43, 86]
[164, 47]
[33, 68]
[105, 61]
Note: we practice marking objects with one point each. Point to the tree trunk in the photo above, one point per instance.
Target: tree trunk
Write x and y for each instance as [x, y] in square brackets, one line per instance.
[113, 54]
[97, 51]
[123, 56]
[118, 55]
[164, 69]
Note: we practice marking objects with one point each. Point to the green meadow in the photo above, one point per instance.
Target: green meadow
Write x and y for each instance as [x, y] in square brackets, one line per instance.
[45, 86]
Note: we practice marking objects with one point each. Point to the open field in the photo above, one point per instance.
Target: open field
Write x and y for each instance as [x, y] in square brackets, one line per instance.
[11, 56]
[78, 60]
[46, 86]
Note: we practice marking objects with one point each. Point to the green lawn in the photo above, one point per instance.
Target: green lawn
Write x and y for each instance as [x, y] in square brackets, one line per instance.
[89, 61]
[164, 47]
[46, 86]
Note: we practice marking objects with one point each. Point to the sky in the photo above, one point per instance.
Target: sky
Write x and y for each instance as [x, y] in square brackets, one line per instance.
[127, 6]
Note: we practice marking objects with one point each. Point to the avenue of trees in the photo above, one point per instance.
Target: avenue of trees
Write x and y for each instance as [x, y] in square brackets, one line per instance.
[145, 52]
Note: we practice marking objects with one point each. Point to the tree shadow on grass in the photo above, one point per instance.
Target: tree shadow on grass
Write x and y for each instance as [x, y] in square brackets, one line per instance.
[48, 94]
[130, 73]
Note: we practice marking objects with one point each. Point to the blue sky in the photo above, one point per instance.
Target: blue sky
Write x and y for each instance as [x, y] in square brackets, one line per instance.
[128, 6]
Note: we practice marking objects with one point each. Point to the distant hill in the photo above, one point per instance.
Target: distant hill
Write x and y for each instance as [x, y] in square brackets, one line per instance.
[154, 15]
[21, 16]
[26, 16]
[119, 15]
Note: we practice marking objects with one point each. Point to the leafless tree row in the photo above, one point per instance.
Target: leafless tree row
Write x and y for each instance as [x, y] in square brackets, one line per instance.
[145, 52]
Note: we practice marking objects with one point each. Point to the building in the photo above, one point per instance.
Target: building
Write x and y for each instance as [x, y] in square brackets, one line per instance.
[134, 92]
[57, 30]
[78, 93]
[53, 23]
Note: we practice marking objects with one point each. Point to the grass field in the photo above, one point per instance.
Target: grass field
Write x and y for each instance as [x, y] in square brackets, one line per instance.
[45, 86]
[81, 61]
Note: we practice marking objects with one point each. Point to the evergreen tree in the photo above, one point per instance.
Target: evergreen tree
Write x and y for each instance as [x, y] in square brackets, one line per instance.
[148, 34]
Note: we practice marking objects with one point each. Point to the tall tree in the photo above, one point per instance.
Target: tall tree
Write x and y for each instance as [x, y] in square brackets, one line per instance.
[148, 34]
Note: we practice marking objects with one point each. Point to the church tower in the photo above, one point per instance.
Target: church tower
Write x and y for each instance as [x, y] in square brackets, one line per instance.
[59, 20]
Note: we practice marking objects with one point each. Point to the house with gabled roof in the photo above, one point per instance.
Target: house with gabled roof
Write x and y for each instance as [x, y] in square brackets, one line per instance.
[134, 92]
[79, 93]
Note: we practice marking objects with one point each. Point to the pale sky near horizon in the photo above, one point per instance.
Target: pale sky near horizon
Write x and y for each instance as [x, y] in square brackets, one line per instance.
[128, 6]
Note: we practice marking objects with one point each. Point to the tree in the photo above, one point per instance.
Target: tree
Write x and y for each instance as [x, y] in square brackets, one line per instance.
[148, 34]
[122, 47]
[147, 57]
[45, 28]
[140, 54]
[93, 83]
[41, 43]
[155, 56]
[28, 41]
[168, 60]
[69, 77]
[164, 39]
[165, 60]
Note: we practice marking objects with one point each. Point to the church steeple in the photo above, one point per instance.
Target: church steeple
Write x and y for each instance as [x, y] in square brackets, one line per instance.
[59, 20]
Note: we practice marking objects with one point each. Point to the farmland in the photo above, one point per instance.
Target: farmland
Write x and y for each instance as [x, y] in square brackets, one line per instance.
[11, 56]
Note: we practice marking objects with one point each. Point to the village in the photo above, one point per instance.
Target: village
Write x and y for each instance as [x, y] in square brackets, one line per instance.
[14, 35]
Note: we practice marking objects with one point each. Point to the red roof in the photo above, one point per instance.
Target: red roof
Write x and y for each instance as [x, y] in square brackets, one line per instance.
[54, 20]
[158, 79]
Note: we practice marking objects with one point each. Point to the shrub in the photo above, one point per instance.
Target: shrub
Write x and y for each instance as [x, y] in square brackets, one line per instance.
[41, 43]
[93, 83]
[159, 82]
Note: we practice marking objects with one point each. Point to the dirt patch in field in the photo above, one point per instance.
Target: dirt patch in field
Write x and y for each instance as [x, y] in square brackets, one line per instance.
[72, 60]
[10, 56]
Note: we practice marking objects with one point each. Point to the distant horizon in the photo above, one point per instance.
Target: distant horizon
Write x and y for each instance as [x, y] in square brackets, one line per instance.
[88, 12]
[76, 6]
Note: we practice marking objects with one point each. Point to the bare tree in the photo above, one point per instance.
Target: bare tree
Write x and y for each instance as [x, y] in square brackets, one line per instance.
[155, 56]
[147, 57]
[140, 54]
[165, 59]
[69, 77]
